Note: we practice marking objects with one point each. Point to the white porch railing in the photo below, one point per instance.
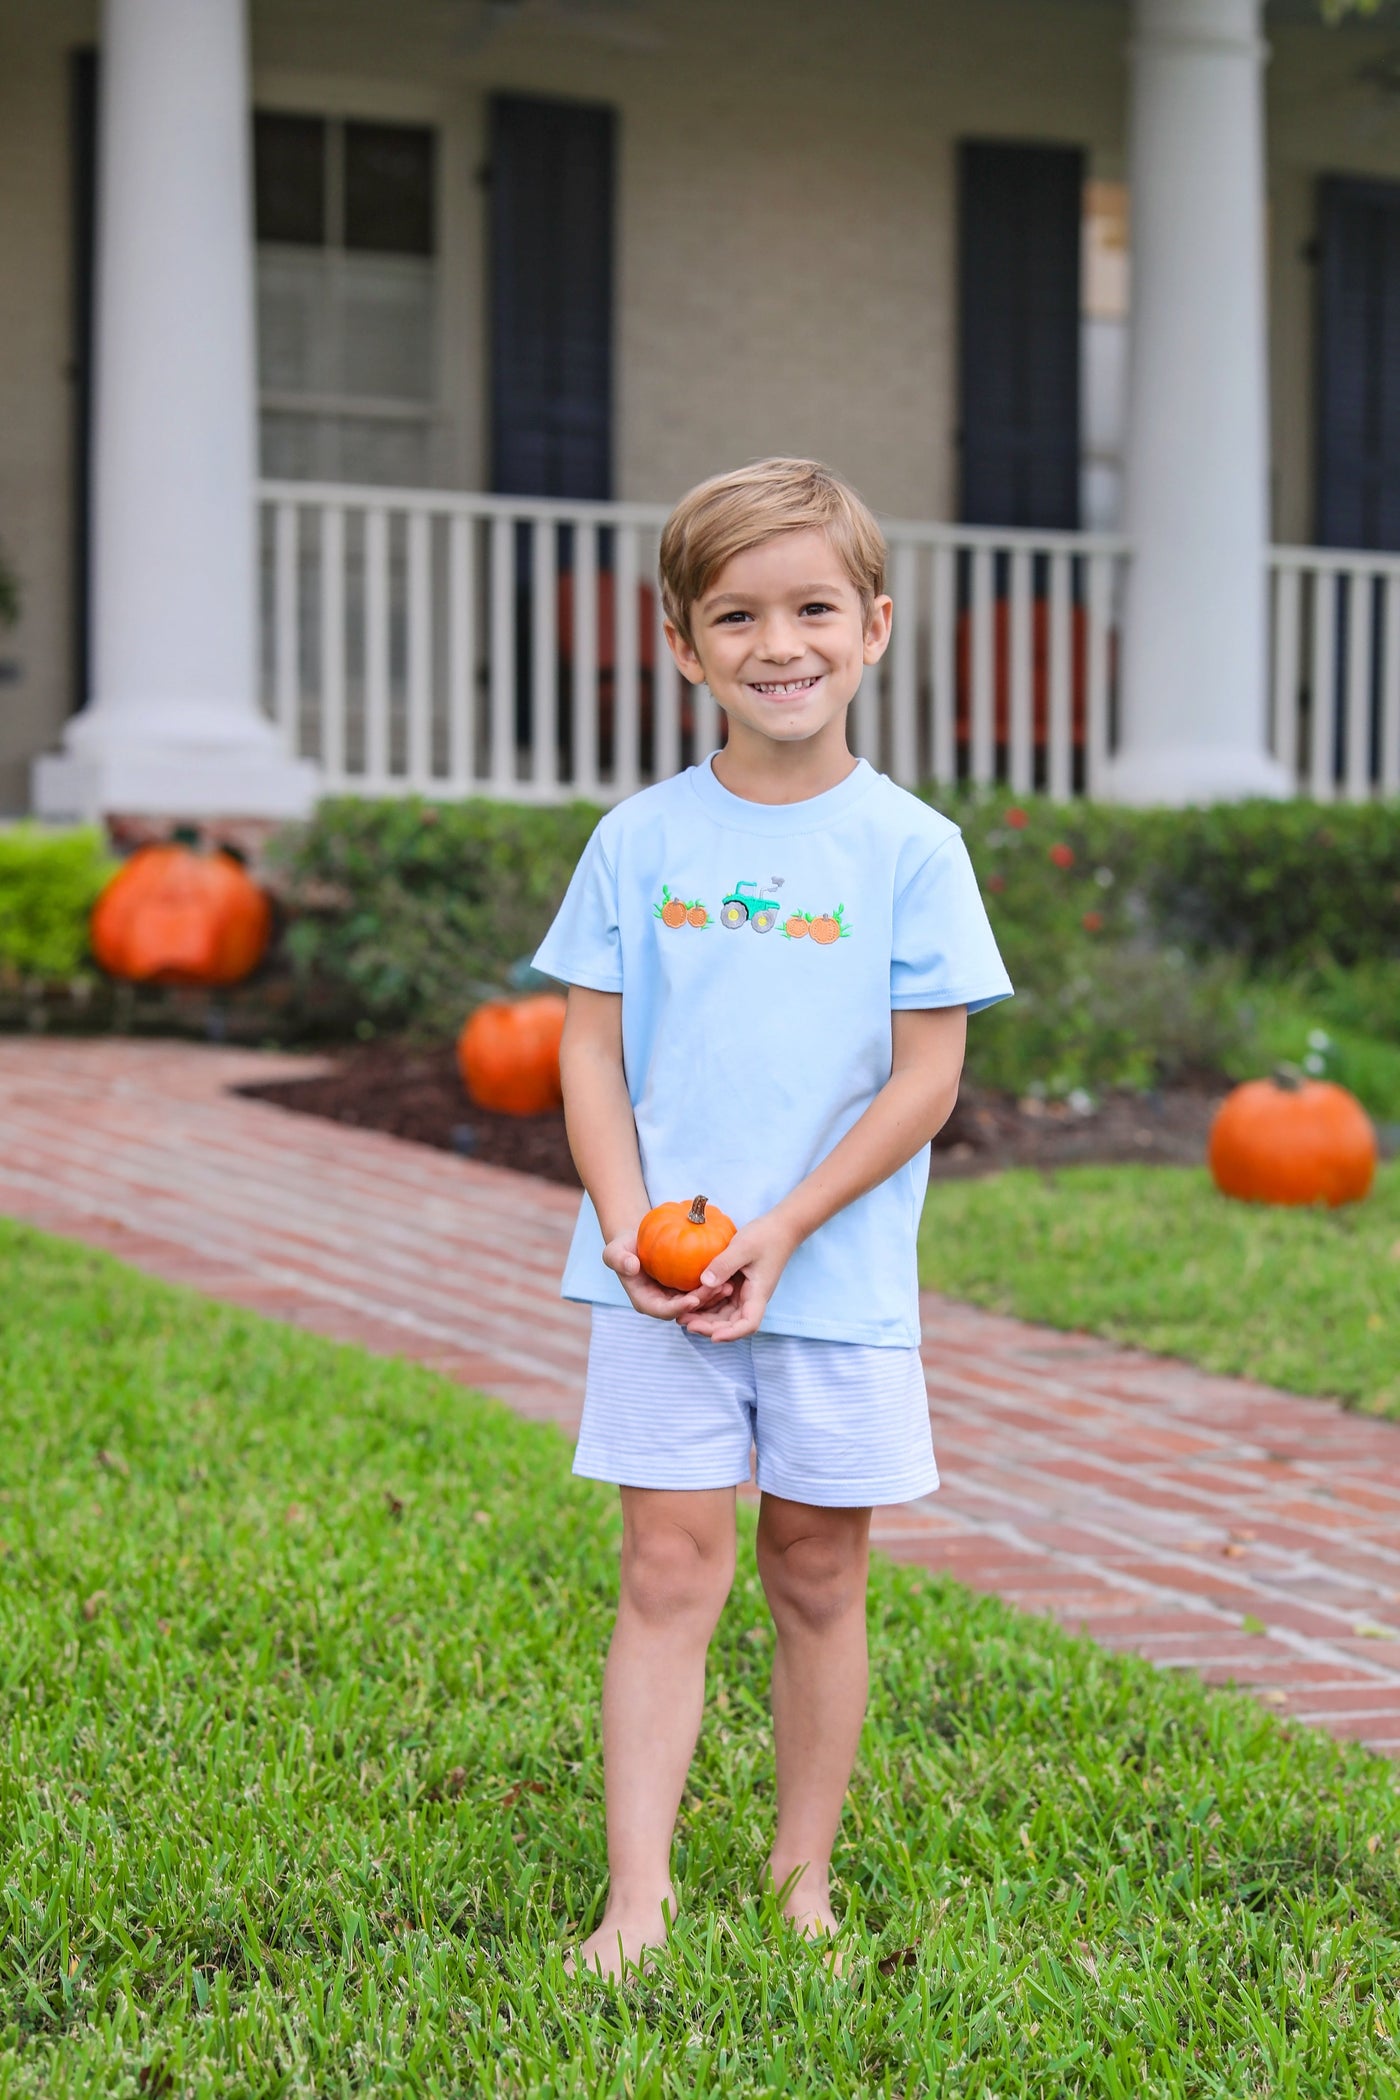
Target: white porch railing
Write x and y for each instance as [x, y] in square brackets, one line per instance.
[1335, 674]
[415, 641]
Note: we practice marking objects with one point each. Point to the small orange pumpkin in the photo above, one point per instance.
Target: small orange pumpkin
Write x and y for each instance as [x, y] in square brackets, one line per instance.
[508, 1054]
[1285, 1140]
[172, 915]
[676, 1241]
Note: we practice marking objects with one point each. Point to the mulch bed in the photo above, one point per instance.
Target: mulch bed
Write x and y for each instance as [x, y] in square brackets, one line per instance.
[413, 1092]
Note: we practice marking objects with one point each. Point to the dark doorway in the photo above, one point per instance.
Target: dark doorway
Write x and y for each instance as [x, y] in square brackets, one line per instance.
[1019, 210]
[1358, 420]
[551, 297]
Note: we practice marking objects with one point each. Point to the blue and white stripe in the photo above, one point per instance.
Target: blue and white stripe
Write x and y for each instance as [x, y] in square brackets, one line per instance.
[839, 1425]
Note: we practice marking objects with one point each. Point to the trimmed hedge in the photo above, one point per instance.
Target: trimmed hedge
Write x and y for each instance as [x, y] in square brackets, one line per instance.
[408, 913]
[49, 882]
[1283, 886]
[1132, 936]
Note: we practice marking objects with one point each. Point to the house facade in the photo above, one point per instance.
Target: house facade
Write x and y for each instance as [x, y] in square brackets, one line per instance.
[354, 352]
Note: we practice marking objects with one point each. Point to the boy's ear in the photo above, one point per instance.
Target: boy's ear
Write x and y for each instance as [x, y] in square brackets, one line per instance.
[877, 629]
[687, 661]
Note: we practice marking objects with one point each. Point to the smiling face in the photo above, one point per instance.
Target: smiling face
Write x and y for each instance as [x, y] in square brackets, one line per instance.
[779, 638]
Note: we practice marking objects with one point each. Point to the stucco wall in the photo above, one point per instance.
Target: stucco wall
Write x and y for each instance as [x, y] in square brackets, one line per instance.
[1330, 112]
[35, 382]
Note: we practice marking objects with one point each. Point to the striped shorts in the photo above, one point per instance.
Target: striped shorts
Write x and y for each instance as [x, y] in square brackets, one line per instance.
[839, 1425]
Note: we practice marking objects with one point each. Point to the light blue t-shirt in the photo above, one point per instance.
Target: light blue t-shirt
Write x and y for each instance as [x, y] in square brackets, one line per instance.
[759, 949]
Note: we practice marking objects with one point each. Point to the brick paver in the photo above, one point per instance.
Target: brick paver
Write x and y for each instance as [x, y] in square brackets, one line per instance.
[1206, 1523]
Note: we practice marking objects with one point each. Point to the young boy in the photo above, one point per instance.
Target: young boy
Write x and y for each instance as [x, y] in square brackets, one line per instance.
[771, 959]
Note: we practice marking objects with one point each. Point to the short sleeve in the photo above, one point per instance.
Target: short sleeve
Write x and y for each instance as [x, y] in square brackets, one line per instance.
[944, 952]
[584, 945]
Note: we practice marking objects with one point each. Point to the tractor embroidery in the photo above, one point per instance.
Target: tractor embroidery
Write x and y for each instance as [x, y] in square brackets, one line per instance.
[745, 907]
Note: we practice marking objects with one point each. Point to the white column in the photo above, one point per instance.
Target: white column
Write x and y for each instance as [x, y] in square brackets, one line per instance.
[1196, 487]
[172, 724]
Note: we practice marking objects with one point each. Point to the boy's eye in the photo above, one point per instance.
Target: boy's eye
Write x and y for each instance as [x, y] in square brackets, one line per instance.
[818, 605]
[725, 618]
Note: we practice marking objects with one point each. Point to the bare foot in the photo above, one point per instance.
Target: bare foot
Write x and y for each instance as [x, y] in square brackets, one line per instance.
[621, 1941]
[806, 1905]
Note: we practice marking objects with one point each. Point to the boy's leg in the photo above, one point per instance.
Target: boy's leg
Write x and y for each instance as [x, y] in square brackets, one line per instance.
[677, 1568]
[814, 1564]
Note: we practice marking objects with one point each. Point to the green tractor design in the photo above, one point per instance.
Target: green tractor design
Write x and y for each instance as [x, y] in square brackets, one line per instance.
[744, 907]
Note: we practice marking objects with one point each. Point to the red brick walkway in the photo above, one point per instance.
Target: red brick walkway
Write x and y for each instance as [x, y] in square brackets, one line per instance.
[1203, 1522]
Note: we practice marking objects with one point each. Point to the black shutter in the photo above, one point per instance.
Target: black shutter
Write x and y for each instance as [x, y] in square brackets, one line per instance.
[82, 221]
[551, 297]
[1358, 479]
[1018, 363]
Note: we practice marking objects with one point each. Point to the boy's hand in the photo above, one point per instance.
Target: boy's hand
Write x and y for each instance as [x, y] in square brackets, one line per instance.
[754, 1259]
[649, 1296]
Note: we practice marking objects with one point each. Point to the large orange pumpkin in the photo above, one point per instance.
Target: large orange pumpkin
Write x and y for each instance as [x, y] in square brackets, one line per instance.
[1288, 1141]
[676, 1241]
[508, 1054]
[173, 915]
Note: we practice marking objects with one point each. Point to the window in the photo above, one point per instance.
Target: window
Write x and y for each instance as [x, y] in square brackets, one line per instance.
[347, 289]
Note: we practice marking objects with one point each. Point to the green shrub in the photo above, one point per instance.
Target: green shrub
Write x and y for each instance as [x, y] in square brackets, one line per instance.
[1285, 886]
[49, 881]
[412, 911]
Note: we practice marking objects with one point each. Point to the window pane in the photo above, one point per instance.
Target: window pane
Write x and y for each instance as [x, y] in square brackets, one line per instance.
[384, 328]
[389, 188]
[289, 163]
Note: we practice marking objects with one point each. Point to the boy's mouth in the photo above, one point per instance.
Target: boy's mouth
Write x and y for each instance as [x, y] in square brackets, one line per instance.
[786, 688]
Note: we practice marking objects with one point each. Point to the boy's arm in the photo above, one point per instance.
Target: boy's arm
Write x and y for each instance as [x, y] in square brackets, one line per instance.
[914, 1103]
[603, 1140]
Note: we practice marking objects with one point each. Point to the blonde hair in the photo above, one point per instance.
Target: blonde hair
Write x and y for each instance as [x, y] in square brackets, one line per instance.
[732, 512]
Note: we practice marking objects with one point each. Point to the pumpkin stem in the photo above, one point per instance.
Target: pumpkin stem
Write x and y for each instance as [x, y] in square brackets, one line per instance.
[1288, 1076]
[697, 1211]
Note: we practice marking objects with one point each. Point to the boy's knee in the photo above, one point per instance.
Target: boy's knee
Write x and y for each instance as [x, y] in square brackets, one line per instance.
[668, 1573]
[813, 1580]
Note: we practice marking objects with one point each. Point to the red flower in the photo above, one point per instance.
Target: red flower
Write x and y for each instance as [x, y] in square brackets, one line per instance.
[1092, 922]
[1062, 855]
[996, 882]
[1017, 819]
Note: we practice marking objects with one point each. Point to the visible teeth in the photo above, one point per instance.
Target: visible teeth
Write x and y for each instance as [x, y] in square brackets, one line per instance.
[795, 685]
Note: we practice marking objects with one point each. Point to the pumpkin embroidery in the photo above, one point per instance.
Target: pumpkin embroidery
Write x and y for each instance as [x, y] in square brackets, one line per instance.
[756, 905]
[829, 926]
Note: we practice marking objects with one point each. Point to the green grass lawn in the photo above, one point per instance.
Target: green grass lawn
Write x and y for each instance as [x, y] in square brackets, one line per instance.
[1307, 1299]
[299, 1658]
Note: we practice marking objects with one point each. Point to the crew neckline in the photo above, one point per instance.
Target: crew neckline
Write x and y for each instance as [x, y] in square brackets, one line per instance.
[774, 818]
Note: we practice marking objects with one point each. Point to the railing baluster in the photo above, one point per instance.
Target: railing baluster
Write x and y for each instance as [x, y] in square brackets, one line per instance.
[1062, 669]
[584, 657]
[1021, 765]
[461, 654]
[666, 701]
[904, 678]
[626, 710]
[1360, 594]
[1099, 614]
[1283, 727]
[420, 650]
[502, 756]
[865, 715]
[544, 656]
[1390, 690]
[984, 668]
[332, 726]
[377, 650]
[286, 625]
[942, 672]
[706, 714]
[1322, 736]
